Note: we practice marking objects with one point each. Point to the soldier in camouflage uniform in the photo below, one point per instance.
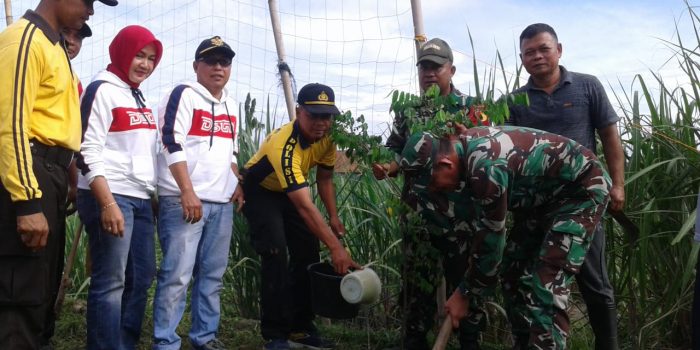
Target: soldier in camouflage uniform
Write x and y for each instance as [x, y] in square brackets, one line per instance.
[518, 169]
[429, 246]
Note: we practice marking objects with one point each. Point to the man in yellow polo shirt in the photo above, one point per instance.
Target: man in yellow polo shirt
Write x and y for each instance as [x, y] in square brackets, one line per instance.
[39, 131]
[284, 223]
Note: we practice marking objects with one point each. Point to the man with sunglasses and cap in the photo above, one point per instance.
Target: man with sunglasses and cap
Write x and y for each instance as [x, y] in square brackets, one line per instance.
[39, 131]
[197, 186]
[285, 225]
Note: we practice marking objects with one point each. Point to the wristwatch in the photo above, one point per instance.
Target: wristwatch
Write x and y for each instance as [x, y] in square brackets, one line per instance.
[464, 290]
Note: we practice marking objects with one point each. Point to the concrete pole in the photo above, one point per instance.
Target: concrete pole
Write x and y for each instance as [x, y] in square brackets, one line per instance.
[8, 12]
[286, 81]
[418, 29]
[420, 39]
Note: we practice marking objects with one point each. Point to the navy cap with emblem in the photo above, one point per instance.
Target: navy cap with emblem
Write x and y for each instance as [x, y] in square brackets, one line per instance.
[85, 31]
[317, 98]
[435, 50]
[213, 45]
[110, 2]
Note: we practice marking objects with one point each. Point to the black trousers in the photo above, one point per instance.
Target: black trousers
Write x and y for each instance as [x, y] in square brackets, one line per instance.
[286, 248]
[29, 280]
[598, 293]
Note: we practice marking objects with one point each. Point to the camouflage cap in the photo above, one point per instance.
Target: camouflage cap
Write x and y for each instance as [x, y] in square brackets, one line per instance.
[418, 154]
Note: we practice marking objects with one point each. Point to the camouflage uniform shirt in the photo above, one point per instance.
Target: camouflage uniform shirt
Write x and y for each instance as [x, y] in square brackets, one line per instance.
[513, 168]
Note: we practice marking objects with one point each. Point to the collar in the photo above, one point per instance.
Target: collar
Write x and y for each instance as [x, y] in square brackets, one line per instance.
[565, 77]
[296, 132]
[454, 91]
[41, 23]
[460, 98]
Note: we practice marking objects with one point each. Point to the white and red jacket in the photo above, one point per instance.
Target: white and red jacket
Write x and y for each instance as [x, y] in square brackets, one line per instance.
[208, 144]
[119, 137]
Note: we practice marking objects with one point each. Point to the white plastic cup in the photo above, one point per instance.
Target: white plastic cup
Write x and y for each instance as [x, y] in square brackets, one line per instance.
[361, 287]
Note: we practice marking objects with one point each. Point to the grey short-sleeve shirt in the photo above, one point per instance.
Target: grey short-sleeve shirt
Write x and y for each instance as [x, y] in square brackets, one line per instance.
[576, 109]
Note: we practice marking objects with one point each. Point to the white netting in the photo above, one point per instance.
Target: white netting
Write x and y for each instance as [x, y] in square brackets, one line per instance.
[361, 48]
[364, 49]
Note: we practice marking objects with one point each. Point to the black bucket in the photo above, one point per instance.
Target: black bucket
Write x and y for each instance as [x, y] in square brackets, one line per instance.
[325, 293]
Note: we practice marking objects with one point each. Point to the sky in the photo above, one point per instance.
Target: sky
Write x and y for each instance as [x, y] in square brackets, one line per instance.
[364, 49]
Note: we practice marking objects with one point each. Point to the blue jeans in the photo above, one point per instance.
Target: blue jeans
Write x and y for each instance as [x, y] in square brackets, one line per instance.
[122, 271]
[197, 250]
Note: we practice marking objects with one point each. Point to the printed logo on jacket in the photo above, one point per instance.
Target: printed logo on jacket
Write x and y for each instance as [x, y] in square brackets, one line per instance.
[224, 125]
[125, 119]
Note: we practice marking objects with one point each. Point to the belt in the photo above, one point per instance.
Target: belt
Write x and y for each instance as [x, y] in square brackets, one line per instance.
[54, 154]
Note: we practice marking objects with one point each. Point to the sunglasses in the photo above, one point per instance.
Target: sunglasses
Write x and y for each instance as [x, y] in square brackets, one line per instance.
[214, 60]
[317, 116]
[321, 116]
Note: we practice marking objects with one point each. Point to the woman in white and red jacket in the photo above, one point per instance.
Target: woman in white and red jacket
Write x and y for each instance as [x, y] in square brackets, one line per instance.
[117, 178]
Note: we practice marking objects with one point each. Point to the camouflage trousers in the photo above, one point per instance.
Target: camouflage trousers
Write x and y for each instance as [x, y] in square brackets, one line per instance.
[428, 256]
[544, 251]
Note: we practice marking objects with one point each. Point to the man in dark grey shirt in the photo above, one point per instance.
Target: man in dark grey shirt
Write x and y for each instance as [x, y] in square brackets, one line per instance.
[573, 105]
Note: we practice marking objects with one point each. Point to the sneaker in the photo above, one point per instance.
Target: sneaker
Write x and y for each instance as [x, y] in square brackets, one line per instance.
[214, 344]
[276, 344]
[309, 341]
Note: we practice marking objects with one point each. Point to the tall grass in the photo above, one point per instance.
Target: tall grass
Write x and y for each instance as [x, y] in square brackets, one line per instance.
[242, 278]
[79, 276]
[654, 279]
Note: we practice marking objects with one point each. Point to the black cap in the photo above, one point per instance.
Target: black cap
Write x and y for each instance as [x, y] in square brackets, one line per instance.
[435, 50]
[110, 2]
[211, 45]
[85, 31]
[317, 98]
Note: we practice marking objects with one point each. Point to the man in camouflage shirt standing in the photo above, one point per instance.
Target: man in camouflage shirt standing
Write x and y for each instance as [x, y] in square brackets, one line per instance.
[514, 169]
[428, 250]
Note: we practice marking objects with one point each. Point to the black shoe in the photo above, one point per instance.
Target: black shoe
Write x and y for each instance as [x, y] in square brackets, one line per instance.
[309, 341]
[276, 344]
[604, 324]
[214, 344]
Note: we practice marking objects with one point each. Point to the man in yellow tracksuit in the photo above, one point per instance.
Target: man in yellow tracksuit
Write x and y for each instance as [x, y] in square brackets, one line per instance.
[39, 131]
